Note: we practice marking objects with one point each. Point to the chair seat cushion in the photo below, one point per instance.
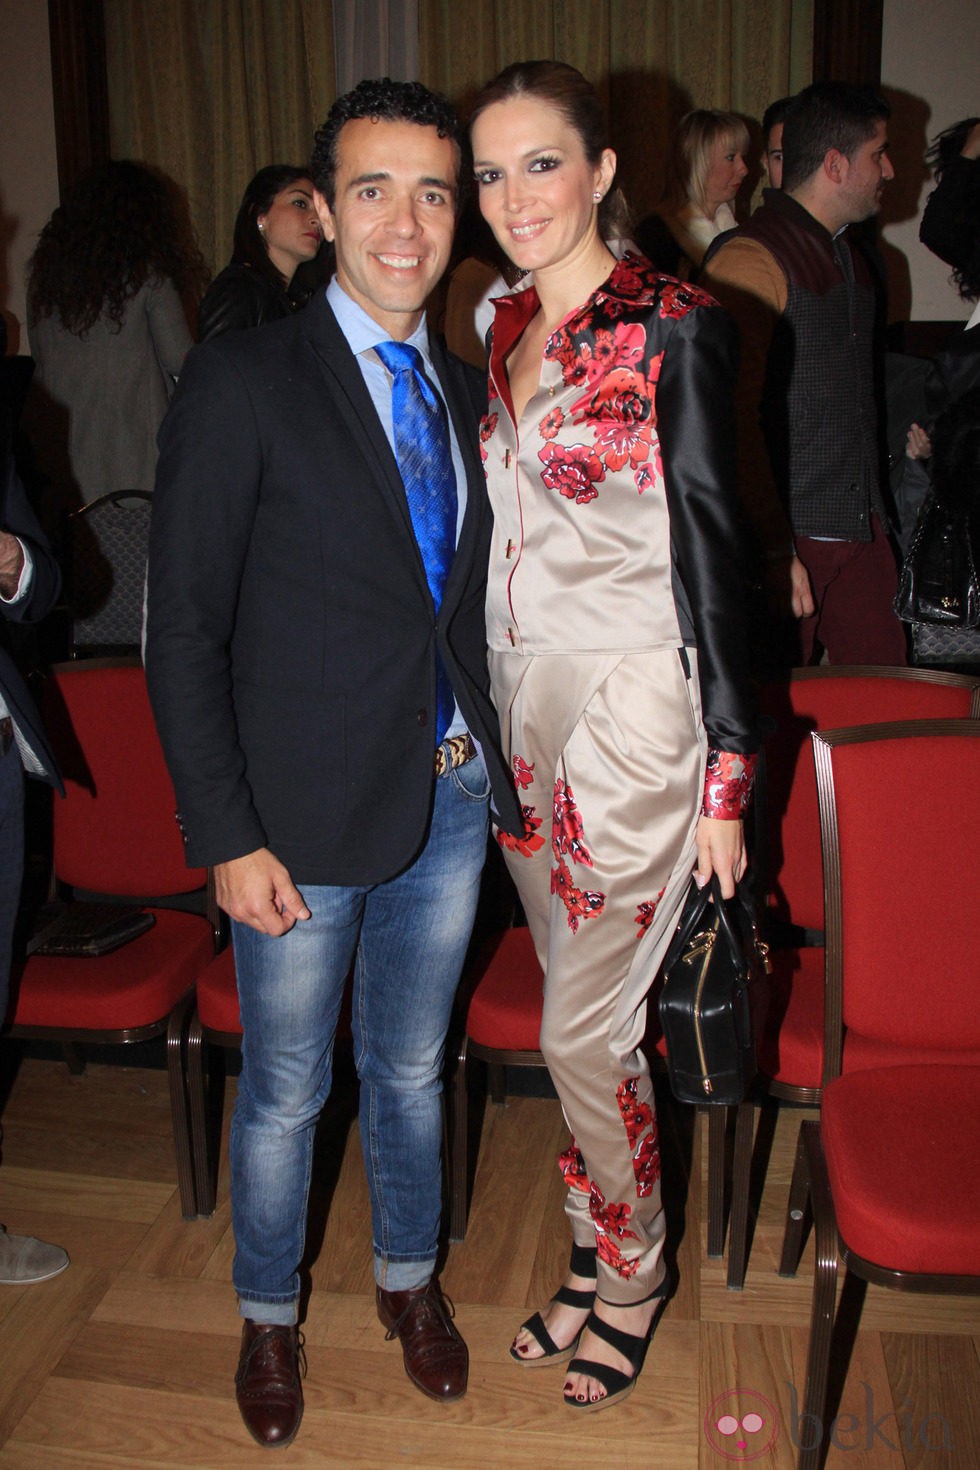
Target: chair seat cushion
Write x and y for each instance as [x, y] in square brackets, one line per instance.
[136, 985]
[901, 1145]
[505, 1008]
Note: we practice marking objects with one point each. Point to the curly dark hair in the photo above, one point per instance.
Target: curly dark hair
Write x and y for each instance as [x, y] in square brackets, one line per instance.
[944, 147]
[119, 225]
[387, 101]
[249, 247]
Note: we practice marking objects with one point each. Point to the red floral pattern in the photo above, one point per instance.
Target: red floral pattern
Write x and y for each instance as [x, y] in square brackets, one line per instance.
[566, 831]
[728, 784]
[641, 1134]
[532, 841]
[573, 470]
[572, 1167]
[523, 773]
[581, 903]
[611, 1226]
[551, 423]
[645, 912]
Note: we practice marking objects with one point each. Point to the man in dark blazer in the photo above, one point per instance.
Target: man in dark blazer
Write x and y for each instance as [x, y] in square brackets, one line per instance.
[29, 587]
[294, 653]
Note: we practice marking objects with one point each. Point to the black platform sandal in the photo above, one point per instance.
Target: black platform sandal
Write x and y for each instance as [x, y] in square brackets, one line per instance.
[582, 1263]
[618, 1385]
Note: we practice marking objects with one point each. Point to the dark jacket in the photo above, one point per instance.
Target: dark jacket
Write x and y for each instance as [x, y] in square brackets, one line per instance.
[17, 516]
[291, 652]
[240, 297]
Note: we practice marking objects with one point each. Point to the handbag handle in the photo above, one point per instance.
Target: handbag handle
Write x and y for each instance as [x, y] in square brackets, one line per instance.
[701, 901]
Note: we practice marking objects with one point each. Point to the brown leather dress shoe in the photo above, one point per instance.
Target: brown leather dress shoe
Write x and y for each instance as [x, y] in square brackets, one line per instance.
[436, 1357]
[267, 1384]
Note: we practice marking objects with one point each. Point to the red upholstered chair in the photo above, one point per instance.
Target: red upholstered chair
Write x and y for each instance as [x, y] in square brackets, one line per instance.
[890, 1169]
[115, 834]
[502, 1029]
[788, 845]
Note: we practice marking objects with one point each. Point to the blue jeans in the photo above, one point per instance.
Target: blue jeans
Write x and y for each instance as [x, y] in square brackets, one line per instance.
[407, 940]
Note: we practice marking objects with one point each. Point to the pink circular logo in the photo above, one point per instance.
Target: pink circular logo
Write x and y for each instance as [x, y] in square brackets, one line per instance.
[741, 1425]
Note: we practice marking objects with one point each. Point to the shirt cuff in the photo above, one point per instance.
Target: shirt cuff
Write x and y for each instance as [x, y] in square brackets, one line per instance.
[728, 782]
[26, 577]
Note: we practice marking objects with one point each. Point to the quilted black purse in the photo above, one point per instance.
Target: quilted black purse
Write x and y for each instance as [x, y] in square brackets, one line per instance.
[714, 994]
[938, 581]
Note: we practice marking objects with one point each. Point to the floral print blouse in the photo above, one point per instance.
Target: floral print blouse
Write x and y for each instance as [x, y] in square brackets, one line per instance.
[614, 504]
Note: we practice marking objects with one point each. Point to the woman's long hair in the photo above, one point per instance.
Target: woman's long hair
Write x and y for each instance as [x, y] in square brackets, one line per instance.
[945, 146]
[249, 247]
[120, 225]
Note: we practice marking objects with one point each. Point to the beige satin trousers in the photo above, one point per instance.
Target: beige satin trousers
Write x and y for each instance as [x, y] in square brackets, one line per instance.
[608, 751]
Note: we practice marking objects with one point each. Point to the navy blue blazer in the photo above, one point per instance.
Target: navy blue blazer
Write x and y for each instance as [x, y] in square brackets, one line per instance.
[291, 651]
[17, 516]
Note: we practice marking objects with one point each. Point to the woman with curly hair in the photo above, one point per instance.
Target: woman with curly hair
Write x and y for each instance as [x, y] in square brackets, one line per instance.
[705, 170]
[276, 231]
[618, 667]
[107, 328]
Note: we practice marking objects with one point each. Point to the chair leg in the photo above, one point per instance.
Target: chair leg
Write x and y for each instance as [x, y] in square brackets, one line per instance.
[738, 1226]
[176, 1027]
[459, 1164]
[717, 1149]
[811, 1428]
[796, 1210]
[204, 1152]
[497, 1082]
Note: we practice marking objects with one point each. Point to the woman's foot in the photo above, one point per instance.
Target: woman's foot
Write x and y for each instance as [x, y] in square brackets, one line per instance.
[611, 1353]
[551, 1336]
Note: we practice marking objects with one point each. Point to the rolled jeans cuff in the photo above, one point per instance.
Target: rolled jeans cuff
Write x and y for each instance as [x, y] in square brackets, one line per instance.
[270, 1314]
[402, 1275]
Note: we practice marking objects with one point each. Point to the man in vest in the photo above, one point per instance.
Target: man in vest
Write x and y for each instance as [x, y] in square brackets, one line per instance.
[804, 299]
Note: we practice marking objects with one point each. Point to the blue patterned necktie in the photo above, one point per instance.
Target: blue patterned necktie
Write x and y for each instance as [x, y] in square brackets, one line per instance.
[426, 465]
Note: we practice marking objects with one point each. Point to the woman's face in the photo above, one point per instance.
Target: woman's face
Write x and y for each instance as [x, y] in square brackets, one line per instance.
[535, 185]
[726, 170]
[290, 228]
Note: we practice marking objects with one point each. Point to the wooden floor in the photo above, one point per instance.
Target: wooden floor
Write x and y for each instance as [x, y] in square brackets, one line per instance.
[126, 1360]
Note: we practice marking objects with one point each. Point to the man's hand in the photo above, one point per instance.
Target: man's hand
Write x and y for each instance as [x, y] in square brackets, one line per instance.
[258, 891]
[789, 587]
[721, 850]
[11, 564]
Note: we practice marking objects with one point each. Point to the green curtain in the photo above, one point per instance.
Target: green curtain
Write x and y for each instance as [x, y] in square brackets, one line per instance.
[651, 60]
[212, 90]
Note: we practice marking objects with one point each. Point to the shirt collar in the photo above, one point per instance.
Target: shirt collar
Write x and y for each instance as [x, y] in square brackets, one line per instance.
[361, 330]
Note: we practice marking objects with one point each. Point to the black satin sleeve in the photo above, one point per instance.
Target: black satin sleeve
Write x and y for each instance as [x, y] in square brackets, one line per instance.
[239, 298]
[696, 427]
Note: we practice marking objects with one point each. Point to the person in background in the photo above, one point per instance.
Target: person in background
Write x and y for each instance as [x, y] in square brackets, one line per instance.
[772, 142]
[949, 221]
[29, 587]
[106, 293]
[804, 298]
[705, 170]
[276, 231]
[614, 618]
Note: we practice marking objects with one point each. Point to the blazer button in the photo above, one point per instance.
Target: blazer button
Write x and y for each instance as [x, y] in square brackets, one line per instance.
[423, 717]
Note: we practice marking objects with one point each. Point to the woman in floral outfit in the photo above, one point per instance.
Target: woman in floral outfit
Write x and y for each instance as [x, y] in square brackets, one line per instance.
[616, 638]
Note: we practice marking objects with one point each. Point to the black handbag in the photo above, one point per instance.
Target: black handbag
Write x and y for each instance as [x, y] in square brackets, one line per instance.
[714, 994]
[938, 581]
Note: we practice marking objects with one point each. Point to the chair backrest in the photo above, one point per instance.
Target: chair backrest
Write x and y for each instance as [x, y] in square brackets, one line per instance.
[116, 830]
[899, 815]
[825, 699]
[108, 543]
